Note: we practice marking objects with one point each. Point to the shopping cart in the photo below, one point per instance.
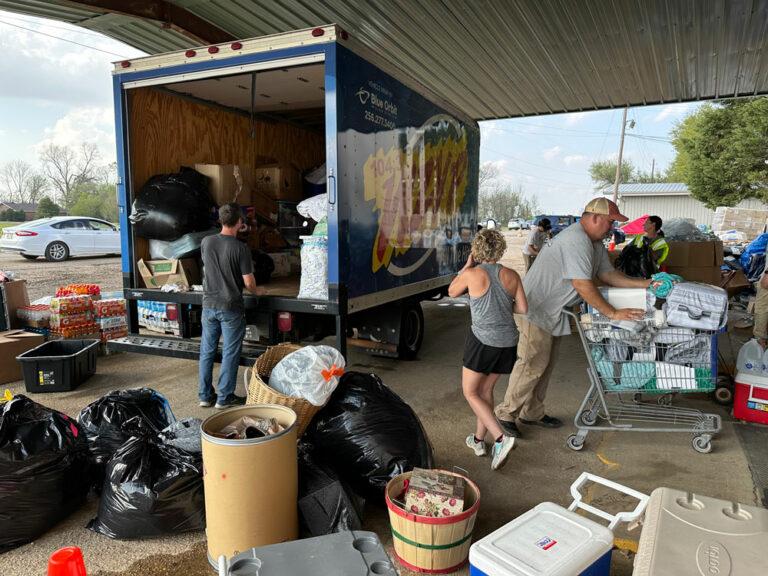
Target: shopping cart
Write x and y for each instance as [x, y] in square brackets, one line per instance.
[634, 373]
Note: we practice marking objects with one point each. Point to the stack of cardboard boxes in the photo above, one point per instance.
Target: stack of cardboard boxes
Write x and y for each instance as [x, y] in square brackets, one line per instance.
[750, 222]
[696, 261]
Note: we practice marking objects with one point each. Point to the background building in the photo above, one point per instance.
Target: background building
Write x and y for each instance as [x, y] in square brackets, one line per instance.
[668, 200]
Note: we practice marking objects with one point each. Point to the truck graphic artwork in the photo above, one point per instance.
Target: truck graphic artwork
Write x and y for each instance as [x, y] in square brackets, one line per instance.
[416, 191]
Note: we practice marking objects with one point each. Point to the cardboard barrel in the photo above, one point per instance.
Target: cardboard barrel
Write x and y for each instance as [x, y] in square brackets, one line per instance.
[251, 486]
[426, 544]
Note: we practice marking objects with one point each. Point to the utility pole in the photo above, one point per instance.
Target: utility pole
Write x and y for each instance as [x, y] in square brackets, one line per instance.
[653, 165]
[618, 164]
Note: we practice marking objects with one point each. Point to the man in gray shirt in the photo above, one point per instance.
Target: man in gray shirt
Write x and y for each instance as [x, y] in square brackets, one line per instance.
[227, 268]
[564, 275]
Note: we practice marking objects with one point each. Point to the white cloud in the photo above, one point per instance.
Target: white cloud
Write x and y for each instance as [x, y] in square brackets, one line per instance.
[575, 159]
[41, 70]
[672, 111]
[552, 153]
[490, 129]
[495, 164]
[87, 124]
[574, 118]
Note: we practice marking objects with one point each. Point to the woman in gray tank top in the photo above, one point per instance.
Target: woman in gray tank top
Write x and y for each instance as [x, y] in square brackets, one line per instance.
[495, 295]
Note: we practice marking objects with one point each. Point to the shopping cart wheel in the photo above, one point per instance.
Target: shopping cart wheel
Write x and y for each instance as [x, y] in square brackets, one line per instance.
[723, 396]
[702, 444]
[574, 442]
[589, 418]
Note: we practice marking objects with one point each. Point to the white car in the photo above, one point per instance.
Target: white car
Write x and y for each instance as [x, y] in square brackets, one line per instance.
[61, 237]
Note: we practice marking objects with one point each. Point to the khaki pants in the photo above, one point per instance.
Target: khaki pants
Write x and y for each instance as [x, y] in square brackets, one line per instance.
[760, 331]
[527, 388]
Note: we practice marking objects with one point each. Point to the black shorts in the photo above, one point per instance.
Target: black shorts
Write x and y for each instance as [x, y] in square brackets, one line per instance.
[484, 359]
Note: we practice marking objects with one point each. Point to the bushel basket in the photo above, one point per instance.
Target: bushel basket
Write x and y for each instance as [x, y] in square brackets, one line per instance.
[259, 391]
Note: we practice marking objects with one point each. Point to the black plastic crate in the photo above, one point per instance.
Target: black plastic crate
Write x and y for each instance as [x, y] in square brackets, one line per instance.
[58, 365]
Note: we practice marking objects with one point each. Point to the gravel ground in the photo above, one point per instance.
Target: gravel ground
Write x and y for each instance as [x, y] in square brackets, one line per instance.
[44, 277]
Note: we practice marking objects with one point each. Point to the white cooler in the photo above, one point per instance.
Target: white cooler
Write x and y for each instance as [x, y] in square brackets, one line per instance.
[685, 534]
[553, 541]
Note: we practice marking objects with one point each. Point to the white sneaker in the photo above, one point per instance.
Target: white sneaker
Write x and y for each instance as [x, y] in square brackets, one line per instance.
[500, 451]
[478, 447]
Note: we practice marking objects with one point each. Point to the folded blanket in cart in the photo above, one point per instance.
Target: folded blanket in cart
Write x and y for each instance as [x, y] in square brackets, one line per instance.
[694, 305]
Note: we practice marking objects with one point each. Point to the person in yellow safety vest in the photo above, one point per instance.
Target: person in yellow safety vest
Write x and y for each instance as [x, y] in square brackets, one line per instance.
[655, 238]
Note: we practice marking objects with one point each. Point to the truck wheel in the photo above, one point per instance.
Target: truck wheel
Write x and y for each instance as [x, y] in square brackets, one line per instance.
[411, 331]
[57, 252]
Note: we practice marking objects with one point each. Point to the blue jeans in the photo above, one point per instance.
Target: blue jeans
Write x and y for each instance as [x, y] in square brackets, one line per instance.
[230, 324]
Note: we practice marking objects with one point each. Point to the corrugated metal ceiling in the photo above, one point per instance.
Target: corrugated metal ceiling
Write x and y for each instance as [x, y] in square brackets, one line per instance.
[506, 58]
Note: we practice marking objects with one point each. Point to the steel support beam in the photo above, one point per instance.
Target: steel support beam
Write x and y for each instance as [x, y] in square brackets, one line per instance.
[167, 14]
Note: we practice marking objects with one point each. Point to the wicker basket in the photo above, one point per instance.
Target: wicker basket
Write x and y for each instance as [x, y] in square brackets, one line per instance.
[260, 393]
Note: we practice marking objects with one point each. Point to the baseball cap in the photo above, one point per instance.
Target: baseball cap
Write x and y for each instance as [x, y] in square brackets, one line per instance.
[606, 207]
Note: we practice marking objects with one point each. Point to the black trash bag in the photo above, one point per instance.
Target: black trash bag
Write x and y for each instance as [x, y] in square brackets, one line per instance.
[326, 503]
[368, 435]
[104, 421]
[152, 488]
[44, 470]
[171, 205]
[636, 261]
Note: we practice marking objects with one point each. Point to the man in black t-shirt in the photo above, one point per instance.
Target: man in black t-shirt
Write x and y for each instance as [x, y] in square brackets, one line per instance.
[228, 268]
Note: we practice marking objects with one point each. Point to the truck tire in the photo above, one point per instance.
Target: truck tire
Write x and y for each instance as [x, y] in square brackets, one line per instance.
[411, 331]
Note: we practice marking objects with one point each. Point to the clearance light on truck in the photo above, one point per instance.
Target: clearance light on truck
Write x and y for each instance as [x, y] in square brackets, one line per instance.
[190, 53]
[284, 321]
[318, 32]
[125, 64]
[213, 49]
[236, 46]
[26, 233]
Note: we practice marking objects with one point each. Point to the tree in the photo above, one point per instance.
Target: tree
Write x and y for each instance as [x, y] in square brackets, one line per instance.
[46, 208]
[501, 200]
[68, 167]
[38, 185]
[11, 215]
[722, 151]
[95, 200]
[603, 172]
[19, 182]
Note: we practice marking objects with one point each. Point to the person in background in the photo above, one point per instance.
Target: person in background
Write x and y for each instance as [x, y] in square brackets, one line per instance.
[760, 330]
[495, 292]
[654, 237]
[537, 237]
[228, 268]
[564, 275]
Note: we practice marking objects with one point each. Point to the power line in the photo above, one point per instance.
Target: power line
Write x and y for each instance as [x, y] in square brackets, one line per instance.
[47, 25]
[531, 163]
[62, 39]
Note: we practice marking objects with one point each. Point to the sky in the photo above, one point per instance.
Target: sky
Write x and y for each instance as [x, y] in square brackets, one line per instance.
[56, 87]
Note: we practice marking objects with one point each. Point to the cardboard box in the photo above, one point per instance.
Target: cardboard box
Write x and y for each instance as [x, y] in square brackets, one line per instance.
[13, 343]
[736, 283]
[434, 493]
[695, 254]
[279, 181]
[158, 273]
[228, 182]
[705, 274]
[14, 297]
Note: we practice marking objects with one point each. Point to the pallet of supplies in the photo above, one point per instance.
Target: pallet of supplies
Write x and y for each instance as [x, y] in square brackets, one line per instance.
[110, 315]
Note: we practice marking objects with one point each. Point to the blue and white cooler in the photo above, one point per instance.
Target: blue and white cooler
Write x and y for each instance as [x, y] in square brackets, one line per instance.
[554, 541]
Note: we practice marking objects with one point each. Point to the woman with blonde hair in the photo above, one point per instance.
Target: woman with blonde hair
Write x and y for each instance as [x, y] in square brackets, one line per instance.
[495, 295]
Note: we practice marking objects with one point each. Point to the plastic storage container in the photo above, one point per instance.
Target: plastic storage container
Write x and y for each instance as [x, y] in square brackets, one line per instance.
[553, 541]
[58, 365]
[359, 553]
[685, 534]
[750, 398]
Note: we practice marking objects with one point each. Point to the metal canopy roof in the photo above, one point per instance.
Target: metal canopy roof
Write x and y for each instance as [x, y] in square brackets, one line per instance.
[491, 58]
